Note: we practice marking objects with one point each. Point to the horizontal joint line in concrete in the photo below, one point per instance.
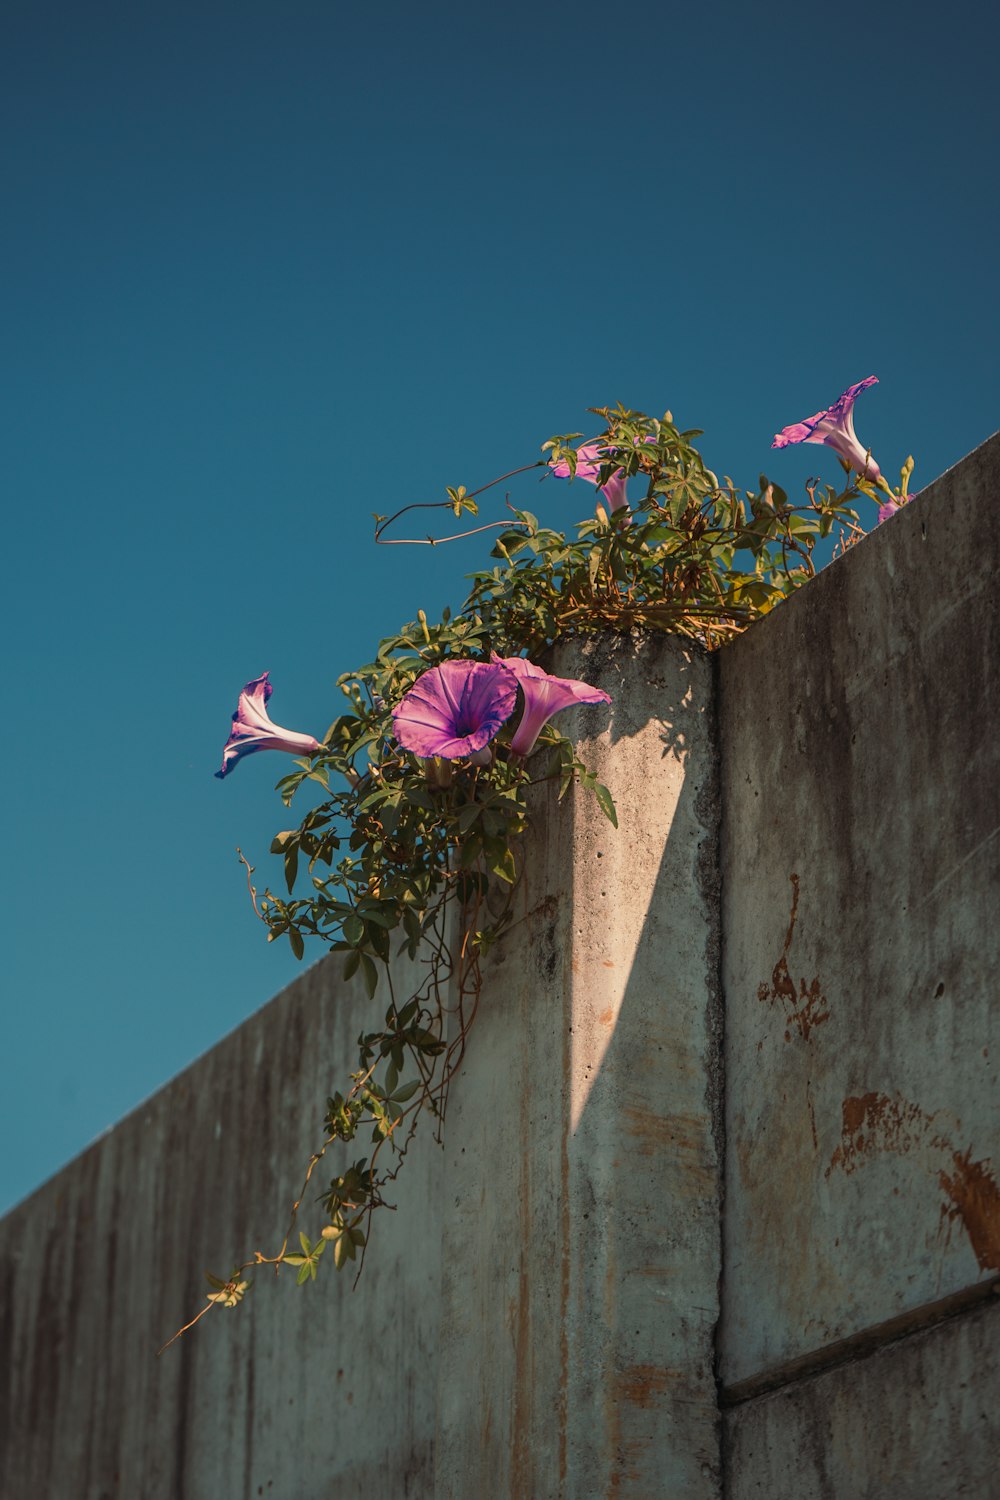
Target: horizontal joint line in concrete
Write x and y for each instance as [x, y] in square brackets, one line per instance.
[860, 1345]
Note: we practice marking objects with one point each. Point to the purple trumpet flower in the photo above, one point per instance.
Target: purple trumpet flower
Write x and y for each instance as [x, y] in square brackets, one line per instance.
[253, 730]
[455, 709]
[886, 509]
[835, 427]
[543, 697]
[589, 460]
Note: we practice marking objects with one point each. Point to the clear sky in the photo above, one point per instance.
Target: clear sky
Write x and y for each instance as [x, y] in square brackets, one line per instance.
[242, 240]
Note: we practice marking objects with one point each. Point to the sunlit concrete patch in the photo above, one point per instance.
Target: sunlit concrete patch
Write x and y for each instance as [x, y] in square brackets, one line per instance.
[589, 1250]
[615, 873]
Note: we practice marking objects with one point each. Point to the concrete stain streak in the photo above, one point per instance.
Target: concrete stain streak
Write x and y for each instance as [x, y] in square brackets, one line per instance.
[874, 1124]
[653, 1134]
[975, 1198]
[521, 1456]
[564, 1228]
[805, 1007]
[640, 1385]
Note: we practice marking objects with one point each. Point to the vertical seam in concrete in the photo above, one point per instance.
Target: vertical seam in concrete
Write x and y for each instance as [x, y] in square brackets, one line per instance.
[564, 1214]
[711, 876]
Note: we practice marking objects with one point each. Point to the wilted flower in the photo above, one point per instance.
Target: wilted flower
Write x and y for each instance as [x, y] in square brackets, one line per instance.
[455, 709]
[543, 697]
[835, 427]
[589, 460]
[253, 730]
[890, 505]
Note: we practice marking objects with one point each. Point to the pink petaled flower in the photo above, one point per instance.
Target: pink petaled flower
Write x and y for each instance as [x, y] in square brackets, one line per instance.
[543, 697]
[455, 709]
[253, 730]
[589, 460]
[835, 427]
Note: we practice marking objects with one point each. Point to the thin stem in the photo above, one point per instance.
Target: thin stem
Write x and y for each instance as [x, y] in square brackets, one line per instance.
[381, 526]
[439, 541]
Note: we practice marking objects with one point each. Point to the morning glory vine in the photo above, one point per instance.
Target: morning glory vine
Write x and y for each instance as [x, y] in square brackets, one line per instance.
[422, 785]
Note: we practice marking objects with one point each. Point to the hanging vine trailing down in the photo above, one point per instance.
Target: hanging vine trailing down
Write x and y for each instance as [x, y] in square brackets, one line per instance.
[423, 779]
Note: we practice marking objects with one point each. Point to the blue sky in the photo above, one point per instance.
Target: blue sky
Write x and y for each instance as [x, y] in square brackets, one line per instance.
[245, 242]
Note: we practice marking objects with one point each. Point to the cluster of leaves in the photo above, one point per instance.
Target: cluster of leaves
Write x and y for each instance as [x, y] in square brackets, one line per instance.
[693, 556]
[402, 856]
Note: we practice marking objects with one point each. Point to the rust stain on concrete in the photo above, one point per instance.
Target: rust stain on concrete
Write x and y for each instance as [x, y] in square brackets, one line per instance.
[640, 1385]
[653, 1134]
[521, 1455]
[875, 1123]
[975, 1198]
[606, 1017]
[564, 1229]
[680, 1134]
[806, 1006]
[612, 1408]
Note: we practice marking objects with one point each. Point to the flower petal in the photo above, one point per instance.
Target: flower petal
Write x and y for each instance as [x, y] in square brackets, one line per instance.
[835, 428]
[253, 730]
[589, 459]
[454, 709]
[544, 696]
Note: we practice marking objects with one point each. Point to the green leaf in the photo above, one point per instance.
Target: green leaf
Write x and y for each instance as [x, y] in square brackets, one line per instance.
[607, 803]
[353, 929]
[469, 815]
[369, 973]
[295, 939]
[471, 850]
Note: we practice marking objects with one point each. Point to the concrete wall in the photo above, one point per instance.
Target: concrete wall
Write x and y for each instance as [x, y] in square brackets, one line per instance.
[274, 1398]
[861, 859]
[582, 1242]
[545, 1304]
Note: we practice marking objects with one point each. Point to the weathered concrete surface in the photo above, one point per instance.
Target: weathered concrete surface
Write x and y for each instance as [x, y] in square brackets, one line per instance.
[861, 879]
[563, 1348]
[581, 1240]
[274, 1398]
[918, 1420]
